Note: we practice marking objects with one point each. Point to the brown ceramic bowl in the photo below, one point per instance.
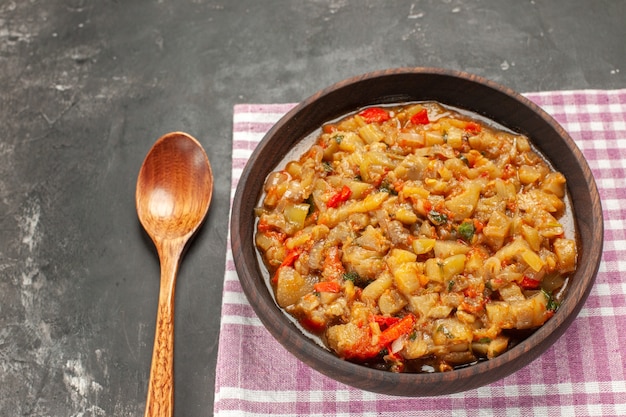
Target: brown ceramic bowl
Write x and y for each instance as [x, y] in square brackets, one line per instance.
[397, 86]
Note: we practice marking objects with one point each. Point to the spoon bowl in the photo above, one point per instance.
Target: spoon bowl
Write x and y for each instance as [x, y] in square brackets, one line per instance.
[174, 190]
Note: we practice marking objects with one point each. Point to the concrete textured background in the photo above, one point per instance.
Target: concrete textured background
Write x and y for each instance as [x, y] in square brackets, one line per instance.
[86, 87]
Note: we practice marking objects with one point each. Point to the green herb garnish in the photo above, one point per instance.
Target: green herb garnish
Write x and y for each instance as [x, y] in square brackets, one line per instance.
[466, 230]
[309, 200]
[552, 305]
[386, 187]
[358, 280]
[351, 276]
[437, 218]
[443, 329]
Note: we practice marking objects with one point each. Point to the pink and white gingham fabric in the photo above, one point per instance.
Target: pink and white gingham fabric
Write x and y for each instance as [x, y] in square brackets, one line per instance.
[583, 374]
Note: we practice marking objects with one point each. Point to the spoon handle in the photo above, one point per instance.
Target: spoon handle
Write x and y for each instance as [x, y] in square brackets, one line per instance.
[160, 401]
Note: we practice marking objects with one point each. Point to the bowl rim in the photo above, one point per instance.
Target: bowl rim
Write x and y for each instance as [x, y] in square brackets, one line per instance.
[280, 326]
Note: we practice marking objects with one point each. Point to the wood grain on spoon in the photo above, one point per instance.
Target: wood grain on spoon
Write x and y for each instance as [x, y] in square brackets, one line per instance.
[174, 190]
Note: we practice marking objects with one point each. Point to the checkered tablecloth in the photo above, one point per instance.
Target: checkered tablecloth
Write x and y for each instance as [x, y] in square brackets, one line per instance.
[581, 375]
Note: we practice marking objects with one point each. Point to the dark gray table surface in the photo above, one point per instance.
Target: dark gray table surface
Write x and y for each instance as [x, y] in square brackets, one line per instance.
[86, 87]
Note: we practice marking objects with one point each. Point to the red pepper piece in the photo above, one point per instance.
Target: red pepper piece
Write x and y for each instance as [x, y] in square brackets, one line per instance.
[363, 349]
[473, 128]
[291, 257]
[339, 197]
[327, 286]
[374, 115]
[289, 260]
[402, 327]
[470, 292]
[420, 118]
[478, 226]
[384, 321]
[264, 227]
[529, 283]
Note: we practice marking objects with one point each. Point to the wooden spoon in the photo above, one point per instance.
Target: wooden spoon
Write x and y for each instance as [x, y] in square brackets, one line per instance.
[174, 190]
